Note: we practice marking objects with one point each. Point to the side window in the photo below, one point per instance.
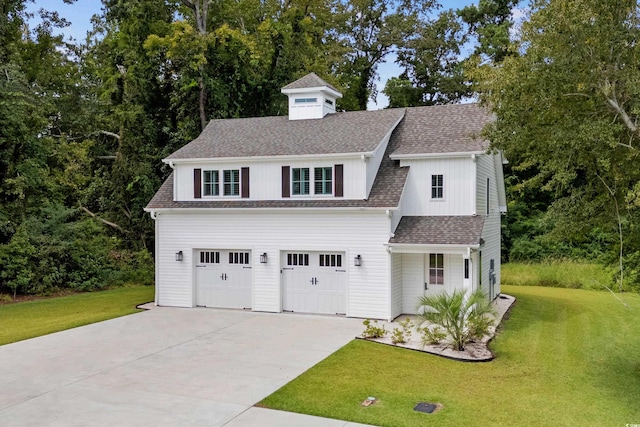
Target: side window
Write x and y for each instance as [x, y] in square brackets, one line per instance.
[436, 269]
[437, 186]
[466, 268]
[323, 180]
[210, 183]
[488, 182]
[300, 181]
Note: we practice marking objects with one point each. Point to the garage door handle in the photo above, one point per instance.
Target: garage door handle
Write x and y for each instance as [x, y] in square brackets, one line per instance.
[341, 271]
[314, 281]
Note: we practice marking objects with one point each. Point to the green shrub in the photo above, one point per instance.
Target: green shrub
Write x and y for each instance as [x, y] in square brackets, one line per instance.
[401, 334]
[372, 330]
[432, 336]
[463, 317]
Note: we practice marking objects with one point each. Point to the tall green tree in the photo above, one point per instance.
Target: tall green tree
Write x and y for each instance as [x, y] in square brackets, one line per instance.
[566, 111]
[433, 67]
[370, 30]
[490, 21]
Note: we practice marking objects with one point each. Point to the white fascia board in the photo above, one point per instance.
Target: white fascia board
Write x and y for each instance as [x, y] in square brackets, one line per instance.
[421, 249]
[324, 89]
[261, 159]
[435, 155]
[292, 209]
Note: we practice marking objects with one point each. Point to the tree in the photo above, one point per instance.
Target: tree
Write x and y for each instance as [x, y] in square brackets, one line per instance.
[432, 65]
[490, 22]
[567, 107]
[370, 30]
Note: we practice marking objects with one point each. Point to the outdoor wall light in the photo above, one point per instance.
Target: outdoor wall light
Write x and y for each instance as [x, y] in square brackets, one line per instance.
[263, 258]
[179, 256]
[357, 260]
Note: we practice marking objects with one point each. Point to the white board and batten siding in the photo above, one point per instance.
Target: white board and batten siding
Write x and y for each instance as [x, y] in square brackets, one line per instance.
[491, 231]
[459, 191]
[415, 273]
[348, 232]
[265, 177]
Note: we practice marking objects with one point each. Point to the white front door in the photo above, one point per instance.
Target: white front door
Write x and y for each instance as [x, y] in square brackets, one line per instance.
[223, 278]
[314, 282]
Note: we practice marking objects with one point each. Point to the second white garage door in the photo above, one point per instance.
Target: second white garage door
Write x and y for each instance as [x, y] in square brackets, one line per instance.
[223, 278]
[314, 282]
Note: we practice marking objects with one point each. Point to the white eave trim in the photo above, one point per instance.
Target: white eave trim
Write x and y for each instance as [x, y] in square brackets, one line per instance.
[325, 89]
[255, 159]
[435, 155]
[428, 248]
[279, 209]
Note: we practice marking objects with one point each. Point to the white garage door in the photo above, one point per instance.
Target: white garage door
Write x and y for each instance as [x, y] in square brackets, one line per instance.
[223, 278]
[314, 282]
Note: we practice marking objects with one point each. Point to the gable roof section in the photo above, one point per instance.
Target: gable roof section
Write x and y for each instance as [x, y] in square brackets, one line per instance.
[385, 194]
[439, 230]
[439, 129]
[340, 133]
[309, 81]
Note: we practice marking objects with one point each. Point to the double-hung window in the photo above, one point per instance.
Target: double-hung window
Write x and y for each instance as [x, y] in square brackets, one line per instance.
[211, 183]
[437, 186]
[436, 269]
[323, 180]
[300, 181]
[231, 182]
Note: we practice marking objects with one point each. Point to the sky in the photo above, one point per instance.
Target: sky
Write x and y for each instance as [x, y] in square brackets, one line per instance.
[80, 13]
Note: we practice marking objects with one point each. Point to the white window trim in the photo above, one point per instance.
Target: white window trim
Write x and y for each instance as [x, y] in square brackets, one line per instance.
[431, 187]
[310, 194]
[313, 179]
[204, 173]
[437, 269]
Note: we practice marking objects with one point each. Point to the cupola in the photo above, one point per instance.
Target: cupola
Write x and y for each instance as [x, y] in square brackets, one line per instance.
[310, 97]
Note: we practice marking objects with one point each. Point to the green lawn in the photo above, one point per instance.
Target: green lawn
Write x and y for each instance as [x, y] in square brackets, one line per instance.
[34, 318]
[564, 357]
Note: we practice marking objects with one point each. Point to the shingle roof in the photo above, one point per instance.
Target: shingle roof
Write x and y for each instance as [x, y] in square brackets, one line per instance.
[308, 81]
[350, 132]
[385, 193]
[439, 230]
[452, 128]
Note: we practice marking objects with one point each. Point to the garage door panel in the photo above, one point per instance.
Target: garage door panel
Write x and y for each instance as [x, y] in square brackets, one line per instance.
[317, 284]
[223, 279]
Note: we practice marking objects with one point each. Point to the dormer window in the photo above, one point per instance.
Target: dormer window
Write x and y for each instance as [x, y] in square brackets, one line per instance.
[231, 182]
[306, 100]
[300, 182]
[323, 180]
[210, 183]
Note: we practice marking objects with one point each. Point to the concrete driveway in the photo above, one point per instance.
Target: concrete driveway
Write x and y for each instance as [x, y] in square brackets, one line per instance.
[167, 367]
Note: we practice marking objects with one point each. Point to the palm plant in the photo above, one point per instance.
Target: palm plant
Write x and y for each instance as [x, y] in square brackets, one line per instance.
[464, 317]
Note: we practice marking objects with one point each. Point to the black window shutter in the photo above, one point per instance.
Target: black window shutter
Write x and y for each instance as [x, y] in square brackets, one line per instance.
[286, 181]
[197, 183]
[244, 176]
[339, 181]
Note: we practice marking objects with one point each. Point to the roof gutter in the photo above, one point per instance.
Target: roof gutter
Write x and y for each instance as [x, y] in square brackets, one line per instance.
[381, 209]
[422, 248]
[256, 159]
[471, 154]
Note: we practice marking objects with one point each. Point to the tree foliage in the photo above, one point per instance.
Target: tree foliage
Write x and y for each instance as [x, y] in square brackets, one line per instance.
[567, 108]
